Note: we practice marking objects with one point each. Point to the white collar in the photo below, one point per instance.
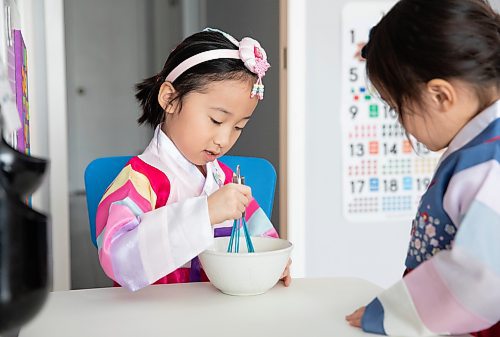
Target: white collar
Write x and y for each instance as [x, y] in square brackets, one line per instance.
[167, 149]
[473, 128]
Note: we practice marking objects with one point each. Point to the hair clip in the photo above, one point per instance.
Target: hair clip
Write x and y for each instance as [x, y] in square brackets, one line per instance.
[249, 51]
[255, 59]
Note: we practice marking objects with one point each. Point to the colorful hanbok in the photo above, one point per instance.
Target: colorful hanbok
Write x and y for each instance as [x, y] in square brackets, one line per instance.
[153, 220]
[454, 253]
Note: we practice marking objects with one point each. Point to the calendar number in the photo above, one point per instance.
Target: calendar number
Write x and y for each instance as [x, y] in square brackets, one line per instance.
[389, 113]
[423, 183]
[354, 111]
[353, 74]
[390, 149]
[357, 186]
[357, 150]
[391, 185]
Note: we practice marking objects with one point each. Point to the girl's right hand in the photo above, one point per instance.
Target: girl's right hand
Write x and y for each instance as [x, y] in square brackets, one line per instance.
[228, 203]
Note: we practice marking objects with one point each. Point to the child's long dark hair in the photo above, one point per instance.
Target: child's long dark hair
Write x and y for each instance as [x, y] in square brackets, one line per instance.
[419, 40]
[194, 79]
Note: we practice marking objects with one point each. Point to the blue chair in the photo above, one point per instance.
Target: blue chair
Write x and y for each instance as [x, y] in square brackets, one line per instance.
[259, 174]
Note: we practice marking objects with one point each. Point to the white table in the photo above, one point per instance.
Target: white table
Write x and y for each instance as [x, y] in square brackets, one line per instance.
[309, 307]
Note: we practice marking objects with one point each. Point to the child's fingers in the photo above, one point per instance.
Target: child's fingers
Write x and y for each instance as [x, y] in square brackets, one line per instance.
[244, 189]
[355, 322]
[287, 269]
[287, 280]
[354, 319]
[243, 200]
[241, 190]
[285, 277]
[352, 316]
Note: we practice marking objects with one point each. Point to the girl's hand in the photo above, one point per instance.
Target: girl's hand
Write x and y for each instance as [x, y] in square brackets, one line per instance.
[285, 277]
[354, 319]
[228, 203]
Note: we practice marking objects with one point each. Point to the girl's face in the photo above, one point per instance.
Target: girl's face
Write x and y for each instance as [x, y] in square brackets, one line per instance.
[445, 107]
[432, 129]
[209, 123]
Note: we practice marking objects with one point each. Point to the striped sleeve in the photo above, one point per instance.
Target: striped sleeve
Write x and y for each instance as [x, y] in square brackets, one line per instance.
[139, 237]
[257, 221]
[456, 291]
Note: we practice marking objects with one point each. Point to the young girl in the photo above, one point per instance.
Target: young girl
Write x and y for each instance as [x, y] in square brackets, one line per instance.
[166, 205]
[437, 63]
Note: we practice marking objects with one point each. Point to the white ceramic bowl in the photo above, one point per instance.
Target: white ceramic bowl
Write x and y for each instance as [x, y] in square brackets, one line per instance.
[246, 273]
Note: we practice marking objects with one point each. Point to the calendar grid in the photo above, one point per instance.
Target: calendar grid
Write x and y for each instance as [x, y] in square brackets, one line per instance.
[385, 172]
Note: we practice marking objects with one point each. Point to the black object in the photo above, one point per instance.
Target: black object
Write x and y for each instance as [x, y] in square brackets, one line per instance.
[19, 174]
[24, 273]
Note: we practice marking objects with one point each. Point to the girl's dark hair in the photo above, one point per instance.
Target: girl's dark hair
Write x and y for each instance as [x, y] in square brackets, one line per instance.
[419, 40]
[193, 79]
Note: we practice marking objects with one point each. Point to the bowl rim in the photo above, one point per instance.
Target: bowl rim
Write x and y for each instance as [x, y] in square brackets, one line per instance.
[210, 251]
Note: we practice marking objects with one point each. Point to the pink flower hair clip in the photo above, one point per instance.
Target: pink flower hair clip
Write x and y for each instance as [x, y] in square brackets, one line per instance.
[249, 51]
[255, 59]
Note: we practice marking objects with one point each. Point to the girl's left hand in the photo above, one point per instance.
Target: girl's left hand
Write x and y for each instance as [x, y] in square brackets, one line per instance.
[285, 277]
[354, 319]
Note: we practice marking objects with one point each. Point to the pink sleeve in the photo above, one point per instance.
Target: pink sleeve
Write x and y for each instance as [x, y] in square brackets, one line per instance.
[142, 239]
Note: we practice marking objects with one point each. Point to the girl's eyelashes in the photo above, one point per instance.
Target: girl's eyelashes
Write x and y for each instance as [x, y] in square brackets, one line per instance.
[215, 121]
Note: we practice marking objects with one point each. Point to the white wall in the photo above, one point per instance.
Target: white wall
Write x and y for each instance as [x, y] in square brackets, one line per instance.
[58, 140]
[296, 131]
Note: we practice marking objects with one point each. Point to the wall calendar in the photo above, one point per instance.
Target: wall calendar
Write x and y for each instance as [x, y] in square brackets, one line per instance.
[384, 171]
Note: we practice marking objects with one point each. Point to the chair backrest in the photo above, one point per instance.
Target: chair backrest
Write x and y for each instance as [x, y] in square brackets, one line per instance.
[259, 174]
